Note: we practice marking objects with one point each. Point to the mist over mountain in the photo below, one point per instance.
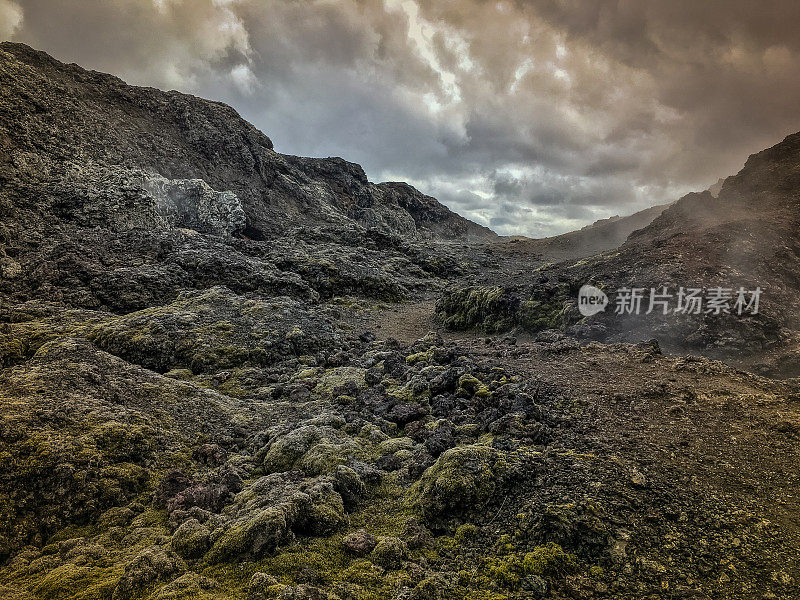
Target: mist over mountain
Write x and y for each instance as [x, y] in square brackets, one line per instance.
[746, 237]
[742, 237]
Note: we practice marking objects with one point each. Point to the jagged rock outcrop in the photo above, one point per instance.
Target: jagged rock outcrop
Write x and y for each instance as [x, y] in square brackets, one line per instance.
[192, 204]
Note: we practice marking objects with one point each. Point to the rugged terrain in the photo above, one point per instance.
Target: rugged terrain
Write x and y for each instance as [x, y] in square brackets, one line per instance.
[222, 376]
[744, 237]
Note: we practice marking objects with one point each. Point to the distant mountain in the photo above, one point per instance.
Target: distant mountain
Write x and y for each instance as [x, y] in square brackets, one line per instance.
[600, 236]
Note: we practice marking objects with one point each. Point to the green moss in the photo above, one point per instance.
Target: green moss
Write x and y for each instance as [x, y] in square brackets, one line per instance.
[181, 374]
[467, 533]
[191, 539]
[287, 450]
[78, 582]
[125, 441]
[25, 338]
[12, 350]
[393, 445]
[72, 532]
[596, 571]
[490, 309]
[325, 456]
[403, 392]
[333, 378]
[502, 572]
[496, 309]
[549, 560]
[150, 518]
[469, 383]
[327, 516]
[426, 356]
[535, 315]
[265, 532]
[461, 482]
[364, 573]
[190, 586]
[485, 595]
[315, 450]
[389, 552]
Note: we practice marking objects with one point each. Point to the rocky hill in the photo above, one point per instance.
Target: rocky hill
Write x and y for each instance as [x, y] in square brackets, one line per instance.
[744, 237]
[87, 130]
[105, 188]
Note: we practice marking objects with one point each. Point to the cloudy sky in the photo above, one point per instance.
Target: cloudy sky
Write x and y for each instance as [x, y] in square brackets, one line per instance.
[530, 116]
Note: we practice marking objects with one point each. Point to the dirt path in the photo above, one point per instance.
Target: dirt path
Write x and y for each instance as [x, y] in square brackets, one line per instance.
[405, 322]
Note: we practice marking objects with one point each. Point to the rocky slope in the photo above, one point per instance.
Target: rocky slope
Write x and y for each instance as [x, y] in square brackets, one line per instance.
[195, 404]
[66, 131]
[117, 197]
[745, 237]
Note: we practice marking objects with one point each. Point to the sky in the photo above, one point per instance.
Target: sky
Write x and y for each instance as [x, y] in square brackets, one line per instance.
[533, 117]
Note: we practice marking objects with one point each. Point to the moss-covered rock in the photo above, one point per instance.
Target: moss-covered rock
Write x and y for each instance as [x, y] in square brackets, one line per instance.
[326, 455]
[467, 533]
[326, 513]
[498, 309]
[491, 309]
[12, 350]
[285, 451]
[262, 533]
[215, 329]
[537, 315]
[349, 486]
[389, 552]
[549, 560]
[263, 586]
[462, 482]
[190, 586]
[393, 445]
[340, 377]
[191, 539]
[311, 448]
[118, 516]
[146, 570]
[66, 580]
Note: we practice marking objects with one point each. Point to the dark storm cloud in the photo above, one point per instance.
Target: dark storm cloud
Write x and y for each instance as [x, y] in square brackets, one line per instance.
[533, 116]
